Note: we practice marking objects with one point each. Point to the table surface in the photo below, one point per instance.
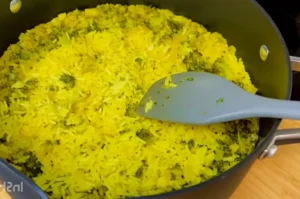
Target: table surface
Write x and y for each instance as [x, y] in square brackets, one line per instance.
[277, 177]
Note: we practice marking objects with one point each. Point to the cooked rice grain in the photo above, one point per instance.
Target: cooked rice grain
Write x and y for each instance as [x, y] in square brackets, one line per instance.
[69, 89]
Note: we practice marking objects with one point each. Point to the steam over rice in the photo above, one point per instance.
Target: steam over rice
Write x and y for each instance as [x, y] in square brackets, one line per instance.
[69, 89]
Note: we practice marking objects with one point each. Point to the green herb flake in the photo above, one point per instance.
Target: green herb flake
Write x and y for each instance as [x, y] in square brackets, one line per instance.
[220, 100]
[167, 97]
[131, 110]
[139, 172]
[204, 113]
[68, 79]
[143, 134]
[139, 60]
[190, 79]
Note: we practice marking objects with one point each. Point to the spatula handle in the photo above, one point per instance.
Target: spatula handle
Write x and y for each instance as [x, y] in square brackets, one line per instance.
[273, 108]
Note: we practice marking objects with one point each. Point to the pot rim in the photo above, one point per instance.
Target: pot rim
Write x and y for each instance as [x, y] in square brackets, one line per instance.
[253, 154]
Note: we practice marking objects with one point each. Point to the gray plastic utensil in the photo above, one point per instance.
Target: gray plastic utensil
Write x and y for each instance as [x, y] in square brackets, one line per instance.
[205, 98]
[17, 185]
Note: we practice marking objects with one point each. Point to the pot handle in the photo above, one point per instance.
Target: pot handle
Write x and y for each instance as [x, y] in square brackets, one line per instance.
[284, 136]
[295, 62]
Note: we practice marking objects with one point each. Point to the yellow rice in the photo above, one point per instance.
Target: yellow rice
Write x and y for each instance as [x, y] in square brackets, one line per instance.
[68, 94]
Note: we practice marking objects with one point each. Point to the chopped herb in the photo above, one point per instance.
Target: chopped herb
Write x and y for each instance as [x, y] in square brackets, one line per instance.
[23, 55]
[191, 144]
[144, 134]
[167, 97]
[52, 88]
[139, 172]
[32, 166]
[32, 82]
[139, 60]
[155, 103]
[102, 190]
[25, 89]
[3, 139]
[131, 110]
[122, 23]
[173, 176]
[220, 100]
[190, 79]
[158, 92]
[177, 166]
[68, 79]
[204, 113]
[175, 26]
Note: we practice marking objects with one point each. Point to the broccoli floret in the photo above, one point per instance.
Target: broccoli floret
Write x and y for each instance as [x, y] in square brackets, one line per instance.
[23, 55]
[122, 23]
[194, 61]
[225, 148]
[68, 79]
[175, 26]
[74, 33]
[219, 165]
[193, 58]
[191, 144]
[3, 139]
[220, 100]
[32, 167]
[102, 190]
[144, 134]
[30, 84]
[139, 60]
[131, 110]
[139, 172]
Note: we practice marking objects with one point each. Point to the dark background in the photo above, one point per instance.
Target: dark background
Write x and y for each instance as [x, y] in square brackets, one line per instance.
[286, 15]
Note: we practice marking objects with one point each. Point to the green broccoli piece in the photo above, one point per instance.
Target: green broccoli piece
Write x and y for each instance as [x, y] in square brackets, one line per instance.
[220, 100]
[32, 167]
[102, 190]
[220, 165]
[68, 79]
[175, 26]
[191, 144]
[29, 85]
[194, 61]
[3, 139]
[139, 60]
[23, 55]
[139, 172]
[131, 110]
[144, 134]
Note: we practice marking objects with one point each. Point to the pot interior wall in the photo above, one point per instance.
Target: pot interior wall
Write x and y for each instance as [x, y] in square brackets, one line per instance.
[241, 22]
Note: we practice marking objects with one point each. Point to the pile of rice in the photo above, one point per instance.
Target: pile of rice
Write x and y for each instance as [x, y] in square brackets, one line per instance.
[69, 89]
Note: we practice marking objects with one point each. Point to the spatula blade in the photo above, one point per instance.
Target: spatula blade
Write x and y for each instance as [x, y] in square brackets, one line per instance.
[192, 98]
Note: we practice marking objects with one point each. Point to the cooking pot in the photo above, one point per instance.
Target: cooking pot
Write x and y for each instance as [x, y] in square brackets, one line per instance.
[242, 22]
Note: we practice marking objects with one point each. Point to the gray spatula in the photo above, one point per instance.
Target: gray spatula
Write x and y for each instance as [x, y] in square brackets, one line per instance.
[205, 98]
